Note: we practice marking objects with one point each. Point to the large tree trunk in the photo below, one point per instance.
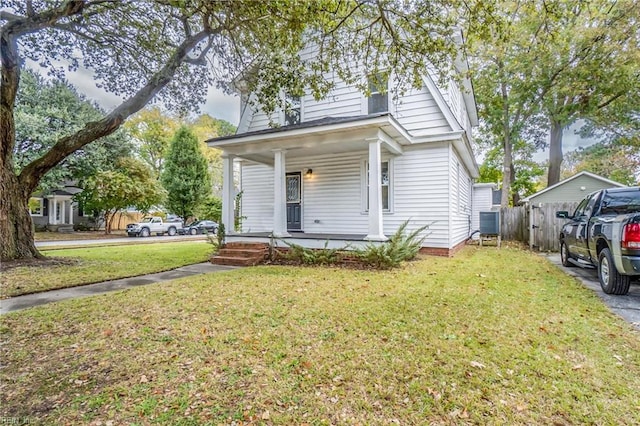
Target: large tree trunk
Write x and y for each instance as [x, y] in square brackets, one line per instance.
[16, 227]
[555, 153]
[16, 234]
[507, 166]
[516, 196]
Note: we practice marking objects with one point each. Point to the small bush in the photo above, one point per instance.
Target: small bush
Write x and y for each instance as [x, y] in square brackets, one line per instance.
[307, 256]
[402, 246]
[221, 234]
[214, 241]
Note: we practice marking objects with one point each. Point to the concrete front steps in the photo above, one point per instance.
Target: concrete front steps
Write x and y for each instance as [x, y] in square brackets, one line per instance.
[241, 254]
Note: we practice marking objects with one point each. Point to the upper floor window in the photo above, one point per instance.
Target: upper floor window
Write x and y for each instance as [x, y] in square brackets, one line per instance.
[379, 96]
[292, 110]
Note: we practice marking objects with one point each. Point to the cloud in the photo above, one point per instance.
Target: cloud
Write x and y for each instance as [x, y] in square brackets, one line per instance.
[571, 141]
[218, 104]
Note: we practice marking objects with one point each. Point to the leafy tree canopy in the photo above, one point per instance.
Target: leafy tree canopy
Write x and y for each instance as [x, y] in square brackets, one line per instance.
[130, 184]
[539, 66]
[617, 159]
[152, 131]
[49, 109]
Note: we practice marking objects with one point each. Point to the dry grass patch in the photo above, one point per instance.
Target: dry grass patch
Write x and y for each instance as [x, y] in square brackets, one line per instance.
[488, 337]
[72, 267]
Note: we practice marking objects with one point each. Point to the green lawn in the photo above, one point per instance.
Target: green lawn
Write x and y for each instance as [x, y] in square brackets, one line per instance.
[95, 264]
[488, 337]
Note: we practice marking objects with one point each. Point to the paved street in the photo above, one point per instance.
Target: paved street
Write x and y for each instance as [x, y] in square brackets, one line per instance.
[628, 307]
[123, 240]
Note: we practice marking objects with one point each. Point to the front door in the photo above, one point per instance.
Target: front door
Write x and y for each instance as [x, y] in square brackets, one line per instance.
[294, 198]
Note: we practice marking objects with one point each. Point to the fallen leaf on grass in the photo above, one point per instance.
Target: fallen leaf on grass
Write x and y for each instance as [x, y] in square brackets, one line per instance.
[477, 364]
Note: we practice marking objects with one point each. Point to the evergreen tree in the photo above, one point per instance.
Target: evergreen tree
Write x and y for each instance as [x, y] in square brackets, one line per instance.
[185, 175]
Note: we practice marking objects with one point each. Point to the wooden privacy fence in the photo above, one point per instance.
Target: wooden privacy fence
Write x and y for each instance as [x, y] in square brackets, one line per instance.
[535, 225]
[514, 224]
[122, 219]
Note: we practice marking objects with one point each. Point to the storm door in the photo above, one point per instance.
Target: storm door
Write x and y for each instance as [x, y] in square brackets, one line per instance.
[294, 201]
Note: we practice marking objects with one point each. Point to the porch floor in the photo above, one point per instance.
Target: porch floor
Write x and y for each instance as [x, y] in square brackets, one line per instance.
[303, 236]
[305, 239]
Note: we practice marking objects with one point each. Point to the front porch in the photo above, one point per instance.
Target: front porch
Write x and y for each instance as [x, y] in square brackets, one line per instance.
[290, 175]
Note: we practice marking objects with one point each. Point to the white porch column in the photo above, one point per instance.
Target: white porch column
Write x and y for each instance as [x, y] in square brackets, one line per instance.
[279, 195]
[64, 212]
[228, 202]
[376, 232]
[53, 207]
[70, 212]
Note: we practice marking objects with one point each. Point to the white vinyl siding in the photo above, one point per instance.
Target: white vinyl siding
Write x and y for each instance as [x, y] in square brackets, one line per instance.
[460, 201]
[332, 196]
[416, 110]
[342, 101]
[421, 193]
[257, 197]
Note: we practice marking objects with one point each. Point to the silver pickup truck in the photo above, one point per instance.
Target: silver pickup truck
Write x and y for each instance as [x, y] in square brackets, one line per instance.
[152, 225]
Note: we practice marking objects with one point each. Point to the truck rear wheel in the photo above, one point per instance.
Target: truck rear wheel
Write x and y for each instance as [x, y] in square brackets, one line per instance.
[610, 280]
[172, 231]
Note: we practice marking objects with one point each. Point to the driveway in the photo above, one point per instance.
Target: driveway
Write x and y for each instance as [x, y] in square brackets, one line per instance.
[628, 307]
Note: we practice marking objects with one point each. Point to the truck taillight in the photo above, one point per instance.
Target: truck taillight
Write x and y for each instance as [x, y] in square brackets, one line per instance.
[631, 236]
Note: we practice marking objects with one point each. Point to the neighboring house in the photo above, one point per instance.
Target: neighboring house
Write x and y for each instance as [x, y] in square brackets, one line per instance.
[572, 189]
[352, 169]
[55, 209]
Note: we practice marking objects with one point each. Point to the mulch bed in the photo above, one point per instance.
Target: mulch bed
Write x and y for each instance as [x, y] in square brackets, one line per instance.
[46, 262]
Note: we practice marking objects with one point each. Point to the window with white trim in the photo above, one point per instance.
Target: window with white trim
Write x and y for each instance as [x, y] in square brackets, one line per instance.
[36, 206]
[378, 100]
[386, 176]
[292, 109]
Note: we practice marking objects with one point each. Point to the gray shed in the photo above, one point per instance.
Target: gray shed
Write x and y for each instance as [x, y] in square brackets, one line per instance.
[572, 189]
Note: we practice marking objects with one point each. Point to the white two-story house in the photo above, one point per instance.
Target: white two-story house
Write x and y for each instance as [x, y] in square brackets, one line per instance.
[351, 168]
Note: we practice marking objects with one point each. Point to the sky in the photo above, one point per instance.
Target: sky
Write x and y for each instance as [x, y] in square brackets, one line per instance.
[218, 105]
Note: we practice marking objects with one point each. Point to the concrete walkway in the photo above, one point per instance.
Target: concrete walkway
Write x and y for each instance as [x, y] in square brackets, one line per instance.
[628, 306]
[37, 299]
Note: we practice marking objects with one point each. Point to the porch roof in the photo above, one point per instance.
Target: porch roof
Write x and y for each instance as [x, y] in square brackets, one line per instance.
[326, 135]
[326, 121]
